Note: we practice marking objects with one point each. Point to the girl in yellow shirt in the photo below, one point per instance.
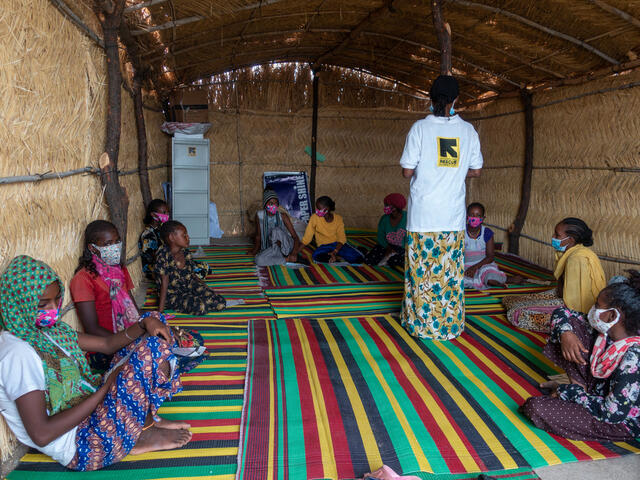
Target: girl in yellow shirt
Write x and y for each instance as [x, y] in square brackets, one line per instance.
[328, 229]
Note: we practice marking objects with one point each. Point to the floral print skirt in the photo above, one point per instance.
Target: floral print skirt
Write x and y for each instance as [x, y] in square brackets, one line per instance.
[112, 430]
[433, 301]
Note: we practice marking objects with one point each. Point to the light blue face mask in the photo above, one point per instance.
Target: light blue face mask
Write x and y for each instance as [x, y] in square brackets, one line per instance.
[556, 244]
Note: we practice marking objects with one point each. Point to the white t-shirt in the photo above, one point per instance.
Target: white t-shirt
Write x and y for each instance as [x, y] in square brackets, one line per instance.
[21, 372]
[441, 150]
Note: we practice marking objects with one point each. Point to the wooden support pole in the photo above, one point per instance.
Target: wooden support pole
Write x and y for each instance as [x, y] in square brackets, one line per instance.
[443, 31]
[133, 52]
[110, 16]
[516, 228]
[314, 140]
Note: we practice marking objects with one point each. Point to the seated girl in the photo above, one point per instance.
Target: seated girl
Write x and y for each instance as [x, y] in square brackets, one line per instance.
[578, 272]
[48, 395]
[180, 288]
[101, 287]
[481, 271]
[275, 239]
[149, 242]
[392, 229]
[600, 353]
[327, 228]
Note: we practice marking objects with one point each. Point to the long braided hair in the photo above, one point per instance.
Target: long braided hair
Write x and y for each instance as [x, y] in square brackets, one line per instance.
[91, 235]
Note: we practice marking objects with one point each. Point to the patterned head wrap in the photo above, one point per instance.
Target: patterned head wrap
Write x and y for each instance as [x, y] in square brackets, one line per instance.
[396, 200]
[68, 378]
[267, 195]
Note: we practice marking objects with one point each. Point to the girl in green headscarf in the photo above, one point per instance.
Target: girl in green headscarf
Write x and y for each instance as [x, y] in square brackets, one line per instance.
[48, 395]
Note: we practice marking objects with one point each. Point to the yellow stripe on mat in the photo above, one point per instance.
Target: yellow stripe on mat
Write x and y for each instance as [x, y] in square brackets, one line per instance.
[322, 421]
[224, 408]
[550, 457]
[499, 451]
[465, 457]
[421, 458]
[186, 393]
[364, 426]
[160, 455]
[200, 378]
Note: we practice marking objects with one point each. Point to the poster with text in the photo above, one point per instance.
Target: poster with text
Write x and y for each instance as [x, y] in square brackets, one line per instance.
[293, 192]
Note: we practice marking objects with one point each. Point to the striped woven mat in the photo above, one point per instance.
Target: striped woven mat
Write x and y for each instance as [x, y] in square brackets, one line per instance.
[358, 299]
[232, 269]
[335, 398]
[211, 402]
[326, 274]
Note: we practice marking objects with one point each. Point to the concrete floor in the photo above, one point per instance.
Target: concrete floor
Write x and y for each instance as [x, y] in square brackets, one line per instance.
[621, 468]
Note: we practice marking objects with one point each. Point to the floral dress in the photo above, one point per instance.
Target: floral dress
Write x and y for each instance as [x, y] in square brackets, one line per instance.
[148, 244]
[605, 409]
[186, 292]
[433, 301]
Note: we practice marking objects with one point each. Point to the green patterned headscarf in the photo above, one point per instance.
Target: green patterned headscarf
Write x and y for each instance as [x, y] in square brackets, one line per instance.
[69, 377]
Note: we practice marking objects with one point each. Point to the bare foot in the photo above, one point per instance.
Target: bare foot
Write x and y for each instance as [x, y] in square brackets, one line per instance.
[154, 439]
[551, 384]
[171, 425]
[495, 283]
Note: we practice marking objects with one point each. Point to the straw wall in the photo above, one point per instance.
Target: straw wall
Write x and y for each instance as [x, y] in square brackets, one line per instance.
[53, 121]
[578, 143]
[362, 149]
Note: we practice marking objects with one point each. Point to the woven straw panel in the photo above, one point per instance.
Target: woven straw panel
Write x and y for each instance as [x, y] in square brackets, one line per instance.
[362, 149]
[577, 143]
[53, 120]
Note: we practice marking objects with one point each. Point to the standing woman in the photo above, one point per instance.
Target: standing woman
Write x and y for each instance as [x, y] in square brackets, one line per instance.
[440, 152]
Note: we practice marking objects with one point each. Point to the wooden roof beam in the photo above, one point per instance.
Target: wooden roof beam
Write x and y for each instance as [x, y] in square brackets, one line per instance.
[165, 26]
[542, 28]
[140, 6]
[381, 12]
[510, 55]
[616, 11]
[435, 50]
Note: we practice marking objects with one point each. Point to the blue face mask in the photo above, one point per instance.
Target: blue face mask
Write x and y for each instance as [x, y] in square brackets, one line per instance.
[555, 243]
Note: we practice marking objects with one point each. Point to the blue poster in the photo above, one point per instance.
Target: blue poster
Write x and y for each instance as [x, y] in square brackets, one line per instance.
[293, 192]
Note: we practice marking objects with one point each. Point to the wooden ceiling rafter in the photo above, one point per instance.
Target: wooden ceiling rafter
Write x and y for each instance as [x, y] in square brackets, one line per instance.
[538, 26]
[165, 26]
[243, 22]
[378, 13]
[566, 49]
[456, 58]
[617, 12]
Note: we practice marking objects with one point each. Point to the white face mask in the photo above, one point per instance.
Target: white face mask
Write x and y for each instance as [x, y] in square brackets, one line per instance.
[109, 254]
[599, 325]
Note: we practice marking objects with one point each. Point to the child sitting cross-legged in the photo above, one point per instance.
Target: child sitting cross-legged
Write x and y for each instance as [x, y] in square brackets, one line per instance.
[481, 271]
[327, 227]
[180, 287]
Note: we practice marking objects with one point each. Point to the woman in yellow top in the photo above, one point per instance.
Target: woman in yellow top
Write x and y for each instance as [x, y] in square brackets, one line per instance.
[328, 229]
[578, 272]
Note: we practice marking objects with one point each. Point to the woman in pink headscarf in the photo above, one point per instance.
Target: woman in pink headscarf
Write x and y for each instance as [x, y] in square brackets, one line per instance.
[392, 228]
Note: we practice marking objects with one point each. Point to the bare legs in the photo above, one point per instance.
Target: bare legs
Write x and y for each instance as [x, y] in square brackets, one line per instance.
[163, 434]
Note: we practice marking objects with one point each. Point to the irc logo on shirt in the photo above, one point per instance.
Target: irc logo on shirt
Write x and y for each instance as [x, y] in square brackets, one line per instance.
[448, 152]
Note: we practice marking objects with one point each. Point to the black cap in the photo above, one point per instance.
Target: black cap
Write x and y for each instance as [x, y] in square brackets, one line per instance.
[445, 86]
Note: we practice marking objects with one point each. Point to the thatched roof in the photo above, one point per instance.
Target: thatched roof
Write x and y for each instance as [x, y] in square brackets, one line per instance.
[498, 45]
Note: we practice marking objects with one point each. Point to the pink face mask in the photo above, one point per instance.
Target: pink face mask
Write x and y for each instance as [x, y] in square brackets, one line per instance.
[474, 222]
[161, 217]
[321, 213]
[388, 210]
[272, 209]
[48, 318]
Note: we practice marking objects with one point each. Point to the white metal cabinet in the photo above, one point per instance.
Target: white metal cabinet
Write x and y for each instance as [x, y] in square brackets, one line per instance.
[190, 186]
